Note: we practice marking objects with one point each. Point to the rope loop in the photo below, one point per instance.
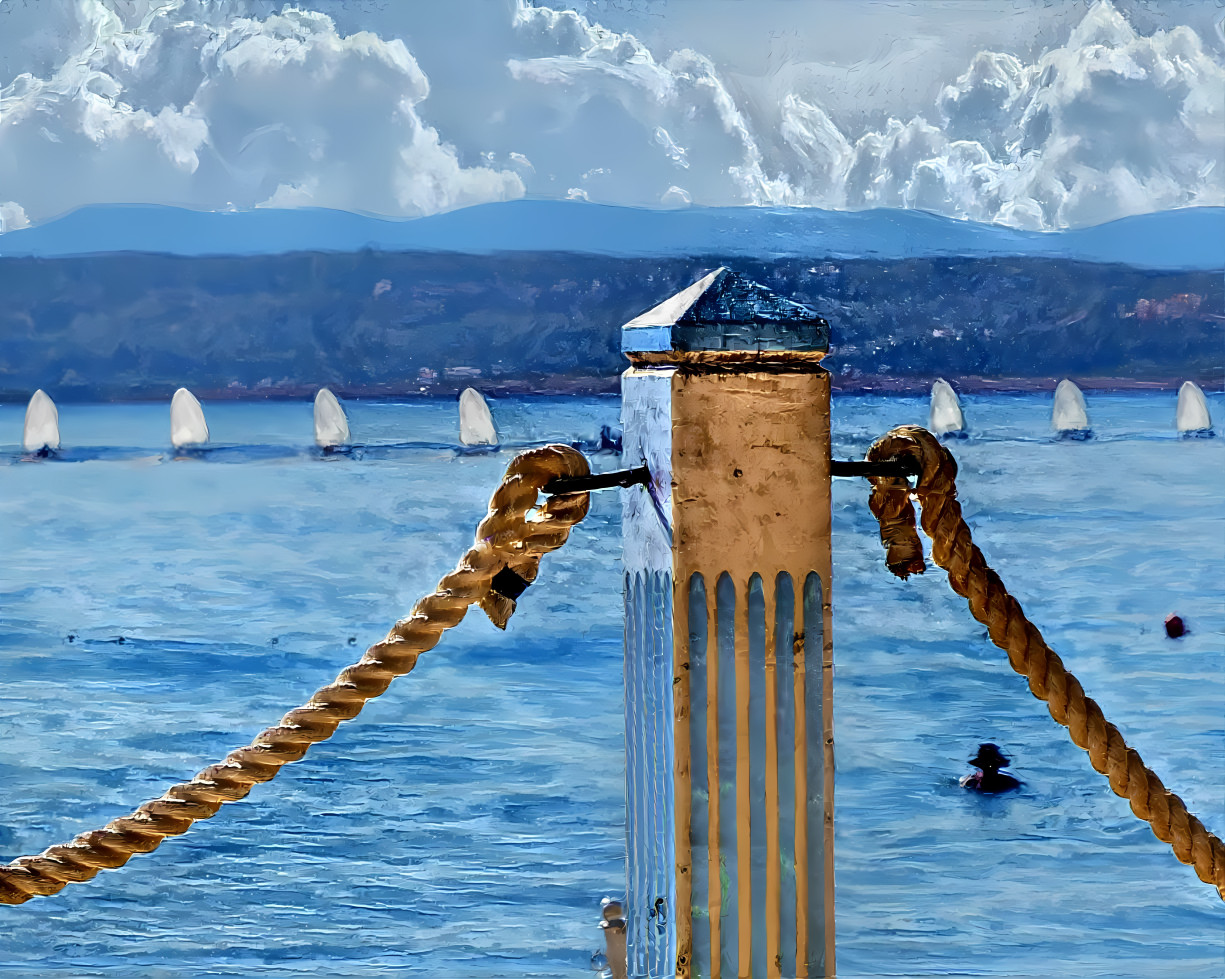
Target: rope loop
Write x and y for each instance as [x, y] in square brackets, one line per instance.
[515, 534]
[1028, 654]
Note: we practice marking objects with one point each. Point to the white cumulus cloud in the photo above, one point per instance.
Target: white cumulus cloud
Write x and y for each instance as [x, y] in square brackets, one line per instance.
[206, 104]
[669, 114]
[1111, 123]
[676, 197]
[519, 160]
[12, 216]
[182, 103]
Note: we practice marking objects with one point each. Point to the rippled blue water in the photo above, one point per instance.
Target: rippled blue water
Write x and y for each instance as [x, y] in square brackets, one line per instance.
[468, 822]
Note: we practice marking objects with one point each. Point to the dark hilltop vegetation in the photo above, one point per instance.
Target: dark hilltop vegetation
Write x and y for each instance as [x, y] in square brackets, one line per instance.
[133, 326]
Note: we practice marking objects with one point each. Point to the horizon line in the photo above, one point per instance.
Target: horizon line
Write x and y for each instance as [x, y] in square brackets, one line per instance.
[578, 202]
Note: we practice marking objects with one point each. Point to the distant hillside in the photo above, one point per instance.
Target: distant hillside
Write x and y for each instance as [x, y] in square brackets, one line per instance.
[379, 323]
[1189, 238]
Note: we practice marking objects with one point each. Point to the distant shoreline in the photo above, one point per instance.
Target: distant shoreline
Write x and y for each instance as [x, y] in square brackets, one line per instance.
[599, 386]
[1020, 385]
[393, 326]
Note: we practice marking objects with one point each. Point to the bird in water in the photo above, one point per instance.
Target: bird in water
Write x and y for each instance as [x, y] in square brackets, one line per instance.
[989, 778]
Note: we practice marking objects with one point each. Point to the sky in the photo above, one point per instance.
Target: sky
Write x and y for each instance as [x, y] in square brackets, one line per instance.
[1064, 113]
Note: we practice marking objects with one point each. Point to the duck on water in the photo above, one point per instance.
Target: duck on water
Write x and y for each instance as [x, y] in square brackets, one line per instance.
[989, 778]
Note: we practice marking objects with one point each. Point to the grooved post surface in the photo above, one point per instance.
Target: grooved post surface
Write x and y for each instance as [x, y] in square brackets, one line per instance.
[751, 516]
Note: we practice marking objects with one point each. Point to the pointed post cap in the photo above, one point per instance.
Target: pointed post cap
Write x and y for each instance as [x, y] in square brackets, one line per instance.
[728, 313]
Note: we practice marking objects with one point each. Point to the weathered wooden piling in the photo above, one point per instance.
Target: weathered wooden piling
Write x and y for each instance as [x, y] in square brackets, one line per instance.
[728, 661]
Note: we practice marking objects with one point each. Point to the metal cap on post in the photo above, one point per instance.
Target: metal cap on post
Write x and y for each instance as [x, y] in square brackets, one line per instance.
[729, 737]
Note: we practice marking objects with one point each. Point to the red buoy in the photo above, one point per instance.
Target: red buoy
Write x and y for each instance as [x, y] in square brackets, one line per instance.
[1175, 628]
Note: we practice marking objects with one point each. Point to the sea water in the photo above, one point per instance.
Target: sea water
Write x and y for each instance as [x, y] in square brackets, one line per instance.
[156, 612]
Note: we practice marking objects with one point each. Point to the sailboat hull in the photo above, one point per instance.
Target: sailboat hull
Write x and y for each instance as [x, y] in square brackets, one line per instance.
[188, 429]
[476, 428]
[331, 425]
[1069, 418]
[41, 434]
[944, 417]
[1192, 416]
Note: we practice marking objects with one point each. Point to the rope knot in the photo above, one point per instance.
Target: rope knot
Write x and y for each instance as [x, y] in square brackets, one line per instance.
[534, 528]
[514, 535]
[1028, 654]
[890, 499]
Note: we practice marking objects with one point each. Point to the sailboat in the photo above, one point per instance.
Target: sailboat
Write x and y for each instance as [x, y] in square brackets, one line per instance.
[42, 428]
[1069, 417]
[331, 426]
[476, 426]
[944, 417]
[187, 426]
[1192, 417]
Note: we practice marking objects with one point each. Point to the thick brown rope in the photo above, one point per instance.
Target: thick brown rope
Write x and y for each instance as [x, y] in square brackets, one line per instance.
[1028, 653]
[511, 535]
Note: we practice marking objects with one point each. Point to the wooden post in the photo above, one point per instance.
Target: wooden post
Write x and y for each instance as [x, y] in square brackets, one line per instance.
[613, 926]
[729, 735]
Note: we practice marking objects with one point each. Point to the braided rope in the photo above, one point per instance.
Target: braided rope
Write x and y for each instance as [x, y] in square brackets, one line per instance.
[508, 536]
[1028, 653]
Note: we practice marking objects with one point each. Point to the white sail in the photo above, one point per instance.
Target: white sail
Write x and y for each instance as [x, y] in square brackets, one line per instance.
[187, 425]
[42, 428]
[331, 426]
[475, 422]
[1192, 413]
[944, 416]
[1069, 414]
